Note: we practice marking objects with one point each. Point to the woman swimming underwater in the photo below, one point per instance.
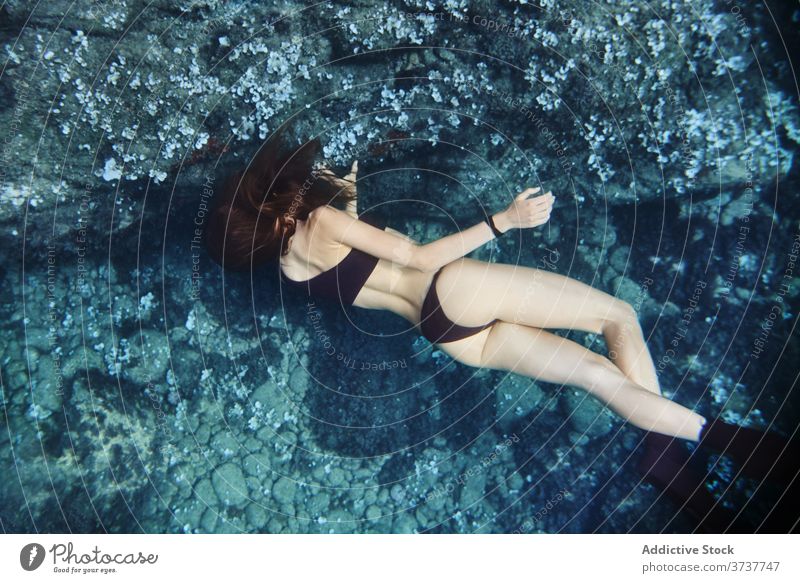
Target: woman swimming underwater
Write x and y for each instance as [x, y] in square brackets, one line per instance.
[281, 207]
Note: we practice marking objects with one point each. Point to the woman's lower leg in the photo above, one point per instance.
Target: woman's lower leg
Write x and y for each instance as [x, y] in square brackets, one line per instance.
[548, 357]
[663, 462]
[628, 350]
[644, 408]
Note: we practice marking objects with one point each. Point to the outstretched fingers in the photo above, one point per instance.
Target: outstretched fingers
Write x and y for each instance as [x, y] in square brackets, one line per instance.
[527, 192]
[351, 176]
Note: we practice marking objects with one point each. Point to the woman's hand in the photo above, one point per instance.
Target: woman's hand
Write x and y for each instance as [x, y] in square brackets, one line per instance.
[525, 212]
[347, 184]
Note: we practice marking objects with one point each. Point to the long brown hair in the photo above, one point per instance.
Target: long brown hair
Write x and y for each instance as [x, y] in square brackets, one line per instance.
[255, 213]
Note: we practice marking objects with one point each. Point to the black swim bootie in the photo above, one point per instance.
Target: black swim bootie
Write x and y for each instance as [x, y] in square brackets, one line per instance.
[665, 464]
[761, 454]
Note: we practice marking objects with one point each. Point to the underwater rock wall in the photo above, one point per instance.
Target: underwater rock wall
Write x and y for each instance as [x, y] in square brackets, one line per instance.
[135, 100]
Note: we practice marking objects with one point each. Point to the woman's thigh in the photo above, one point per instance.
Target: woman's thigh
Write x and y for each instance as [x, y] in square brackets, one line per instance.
[473, 292]
[542, 355]
[529, 351]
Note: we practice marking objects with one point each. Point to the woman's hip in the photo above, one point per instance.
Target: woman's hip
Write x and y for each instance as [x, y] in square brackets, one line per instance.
[439, 321]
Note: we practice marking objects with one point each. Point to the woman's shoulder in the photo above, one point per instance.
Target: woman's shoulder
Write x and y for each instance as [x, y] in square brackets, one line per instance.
[324, 213]
[325, 222]
[327, 216]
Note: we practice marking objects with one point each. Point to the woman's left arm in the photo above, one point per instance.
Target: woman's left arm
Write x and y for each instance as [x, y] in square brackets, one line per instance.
[352, 204]
[348, 184]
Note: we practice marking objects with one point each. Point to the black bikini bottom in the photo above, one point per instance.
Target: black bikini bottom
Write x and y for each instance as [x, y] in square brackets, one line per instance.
[436, 326]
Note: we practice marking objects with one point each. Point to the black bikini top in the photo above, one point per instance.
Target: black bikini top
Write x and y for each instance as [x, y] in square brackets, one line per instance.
[343, 281]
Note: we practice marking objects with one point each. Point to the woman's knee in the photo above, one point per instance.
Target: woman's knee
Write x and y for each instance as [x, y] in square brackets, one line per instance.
[621, 317]
[597, 374]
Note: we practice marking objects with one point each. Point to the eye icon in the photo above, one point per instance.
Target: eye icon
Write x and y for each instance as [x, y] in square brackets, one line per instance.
[31, 556]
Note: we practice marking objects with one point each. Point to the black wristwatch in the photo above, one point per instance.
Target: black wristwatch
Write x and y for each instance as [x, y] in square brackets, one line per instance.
[490, 221]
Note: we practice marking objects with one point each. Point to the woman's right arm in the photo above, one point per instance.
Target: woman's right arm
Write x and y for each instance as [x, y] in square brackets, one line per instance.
[523, 213]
